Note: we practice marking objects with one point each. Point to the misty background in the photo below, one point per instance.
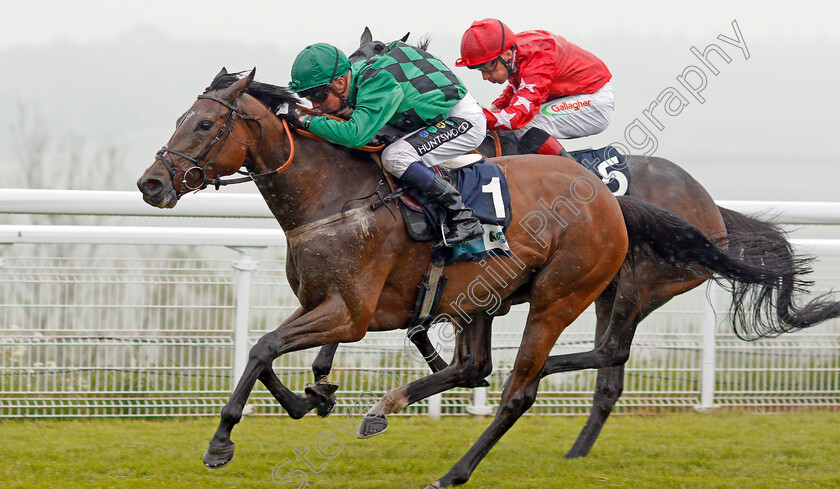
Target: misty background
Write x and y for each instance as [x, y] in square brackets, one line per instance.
[95, 88]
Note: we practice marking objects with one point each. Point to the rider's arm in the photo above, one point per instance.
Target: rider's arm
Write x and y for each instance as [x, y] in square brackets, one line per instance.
[377, 101]
[504, 99]
[524, 103]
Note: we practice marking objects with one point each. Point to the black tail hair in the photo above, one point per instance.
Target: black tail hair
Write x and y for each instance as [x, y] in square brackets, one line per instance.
[758, 241]
[760, 267]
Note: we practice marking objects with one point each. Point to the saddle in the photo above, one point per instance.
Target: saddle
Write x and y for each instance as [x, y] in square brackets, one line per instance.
[483, 188]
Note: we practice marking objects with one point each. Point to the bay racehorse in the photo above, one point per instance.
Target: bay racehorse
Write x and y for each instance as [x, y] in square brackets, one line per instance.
[648, 282]
[354, 268]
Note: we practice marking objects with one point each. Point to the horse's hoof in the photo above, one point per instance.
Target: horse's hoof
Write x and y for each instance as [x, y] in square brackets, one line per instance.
[216, 457]
[372, 425]
[434, 485]
[324, 393]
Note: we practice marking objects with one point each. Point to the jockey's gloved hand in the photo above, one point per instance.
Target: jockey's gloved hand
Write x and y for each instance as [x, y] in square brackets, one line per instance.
[298, 118]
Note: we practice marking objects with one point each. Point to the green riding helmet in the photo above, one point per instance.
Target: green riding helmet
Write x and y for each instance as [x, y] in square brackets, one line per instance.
[318, 64]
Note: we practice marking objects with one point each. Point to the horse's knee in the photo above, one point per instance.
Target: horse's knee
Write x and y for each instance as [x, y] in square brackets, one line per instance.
[265, 350]
[472, 368]
[357, 333]
[619, 358]
[610, 355]
[484, 367]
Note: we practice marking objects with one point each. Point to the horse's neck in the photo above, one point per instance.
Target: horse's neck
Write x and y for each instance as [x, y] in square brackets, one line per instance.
[317, 183]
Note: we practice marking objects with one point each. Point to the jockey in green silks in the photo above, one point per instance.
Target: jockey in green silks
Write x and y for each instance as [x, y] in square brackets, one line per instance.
[408, 90]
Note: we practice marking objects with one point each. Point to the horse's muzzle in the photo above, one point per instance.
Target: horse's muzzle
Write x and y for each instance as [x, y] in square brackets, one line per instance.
[157, 193]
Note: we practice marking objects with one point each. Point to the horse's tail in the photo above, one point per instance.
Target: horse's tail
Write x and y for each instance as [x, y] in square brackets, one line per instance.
[759, 241]
[762, 272]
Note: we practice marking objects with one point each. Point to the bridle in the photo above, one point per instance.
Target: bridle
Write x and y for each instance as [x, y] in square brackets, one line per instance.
[225, 132]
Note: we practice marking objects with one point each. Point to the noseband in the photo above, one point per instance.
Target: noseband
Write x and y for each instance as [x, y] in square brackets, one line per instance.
[225, 131]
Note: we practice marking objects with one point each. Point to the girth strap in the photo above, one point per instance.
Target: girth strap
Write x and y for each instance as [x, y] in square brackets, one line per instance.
[327, 220]
[429, 293]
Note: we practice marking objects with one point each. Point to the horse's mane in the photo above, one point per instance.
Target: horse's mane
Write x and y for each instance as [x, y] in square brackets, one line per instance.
[424, 42]
[270, 95]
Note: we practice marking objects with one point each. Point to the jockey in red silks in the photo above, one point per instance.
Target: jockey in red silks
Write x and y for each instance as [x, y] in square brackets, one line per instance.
[556, 90]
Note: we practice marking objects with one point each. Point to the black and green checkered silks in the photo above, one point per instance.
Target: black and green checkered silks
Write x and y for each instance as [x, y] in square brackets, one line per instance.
[430, 88]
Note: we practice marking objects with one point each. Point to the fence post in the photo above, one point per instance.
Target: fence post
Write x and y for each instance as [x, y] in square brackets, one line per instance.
[435, 400]
[244, 266]
[707, 369]
[479, 406]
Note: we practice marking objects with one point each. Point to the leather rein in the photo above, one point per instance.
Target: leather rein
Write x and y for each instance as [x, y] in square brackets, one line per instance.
[225, 132]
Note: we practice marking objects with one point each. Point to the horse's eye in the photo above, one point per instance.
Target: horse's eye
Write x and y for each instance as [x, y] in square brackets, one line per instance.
[205, 125]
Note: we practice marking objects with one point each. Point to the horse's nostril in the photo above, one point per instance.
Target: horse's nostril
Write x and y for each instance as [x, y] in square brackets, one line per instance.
[151, 185]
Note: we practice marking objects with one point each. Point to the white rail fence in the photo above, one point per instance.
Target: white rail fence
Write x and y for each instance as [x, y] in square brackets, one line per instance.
[119, 330]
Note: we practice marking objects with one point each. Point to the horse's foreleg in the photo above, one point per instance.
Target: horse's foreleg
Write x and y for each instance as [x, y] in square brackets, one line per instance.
[329, 322]
[419, 336]
[322, 365]
[612, 348]
[608, 389]
[617, 323]
[320, 395]
[220, 450]
[472, 362]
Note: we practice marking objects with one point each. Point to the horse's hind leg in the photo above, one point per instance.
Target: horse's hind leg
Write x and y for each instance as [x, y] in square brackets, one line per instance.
[545, 322]
[617, 323]
[471, 362]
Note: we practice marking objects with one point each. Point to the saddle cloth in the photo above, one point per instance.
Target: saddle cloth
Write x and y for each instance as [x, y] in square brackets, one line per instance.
[608, 164]
[484, 189]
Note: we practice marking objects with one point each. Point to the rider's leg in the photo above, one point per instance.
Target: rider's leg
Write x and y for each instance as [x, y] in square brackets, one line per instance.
[463, 225]
[410, 158]
[536, 140]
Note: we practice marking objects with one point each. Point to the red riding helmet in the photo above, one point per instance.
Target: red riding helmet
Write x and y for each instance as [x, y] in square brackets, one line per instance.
[484, 41]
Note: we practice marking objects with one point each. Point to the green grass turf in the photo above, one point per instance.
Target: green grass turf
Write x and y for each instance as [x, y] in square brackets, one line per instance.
[721, 450]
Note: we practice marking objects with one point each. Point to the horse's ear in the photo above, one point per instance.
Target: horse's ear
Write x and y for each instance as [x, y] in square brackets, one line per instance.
[366, 37]
[239, 86]
[405, 37]
[223, 72]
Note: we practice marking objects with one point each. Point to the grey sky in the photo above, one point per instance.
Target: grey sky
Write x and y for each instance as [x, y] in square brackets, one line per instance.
[280, 23]
[120, 72]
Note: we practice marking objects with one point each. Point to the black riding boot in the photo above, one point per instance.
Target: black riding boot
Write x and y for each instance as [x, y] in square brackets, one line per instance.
[537, 141]
[462, 225]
